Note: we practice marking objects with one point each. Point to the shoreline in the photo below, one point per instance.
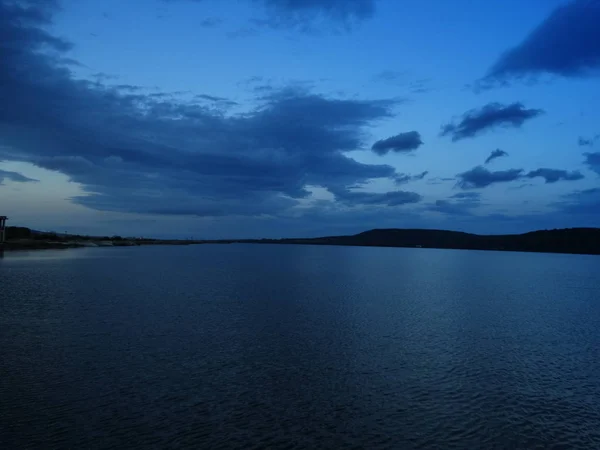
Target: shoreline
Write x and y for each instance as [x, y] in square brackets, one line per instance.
[35, 244]
[585, 241]
[57, 245]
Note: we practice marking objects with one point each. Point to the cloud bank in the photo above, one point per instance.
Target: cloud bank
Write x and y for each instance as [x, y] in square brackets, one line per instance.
[136, 152]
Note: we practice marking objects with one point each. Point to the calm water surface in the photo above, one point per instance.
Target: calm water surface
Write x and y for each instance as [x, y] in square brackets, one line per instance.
[241, 346]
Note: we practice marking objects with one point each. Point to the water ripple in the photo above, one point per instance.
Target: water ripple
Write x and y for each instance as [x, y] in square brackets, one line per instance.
[257, 347]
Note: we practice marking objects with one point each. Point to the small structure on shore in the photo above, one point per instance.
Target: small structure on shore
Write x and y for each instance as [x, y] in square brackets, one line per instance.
[3, 220]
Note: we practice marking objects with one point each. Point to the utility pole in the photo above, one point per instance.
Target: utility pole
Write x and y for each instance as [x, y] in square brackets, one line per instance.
[3, 220]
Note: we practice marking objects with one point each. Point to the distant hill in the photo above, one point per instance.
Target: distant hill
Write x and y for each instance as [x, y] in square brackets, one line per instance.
[572, 240]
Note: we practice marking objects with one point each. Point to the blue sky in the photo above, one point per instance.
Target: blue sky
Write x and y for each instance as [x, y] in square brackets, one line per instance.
[272, 118]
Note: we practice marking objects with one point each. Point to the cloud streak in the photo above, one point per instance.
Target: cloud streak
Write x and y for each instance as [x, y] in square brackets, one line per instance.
[393, 198]
[495, 155]
[336, 9]
[15, 177]
[554, 175]
[491, 116]
[301, 13]
[480, 177]
[404, 178]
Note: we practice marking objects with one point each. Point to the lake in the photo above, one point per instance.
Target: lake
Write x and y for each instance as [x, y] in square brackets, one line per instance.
[293, 347]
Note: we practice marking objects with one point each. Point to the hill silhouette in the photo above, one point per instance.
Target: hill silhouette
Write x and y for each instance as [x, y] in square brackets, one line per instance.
[572, 240]
[569, 240]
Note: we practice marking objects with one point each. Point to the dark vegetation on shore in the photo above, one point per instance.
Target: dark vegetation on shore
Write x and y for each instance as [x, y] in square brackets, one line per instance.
[21, 238]
[572, 240]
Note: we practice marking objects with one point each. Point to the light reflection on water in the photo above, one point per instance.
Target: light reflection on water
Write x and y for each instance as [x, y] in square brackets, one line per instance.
[56, 254]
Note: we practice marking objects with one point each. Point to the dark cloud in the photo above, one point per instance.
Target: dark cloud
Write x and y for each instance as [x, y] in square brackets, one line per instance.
[521, 186]
[162, 154]
[584, 142]
[467, 195]
[219, 103]
[22, 25]
[480, 177]
[495, 154]
[593, 161]
[393, 198]
[566, 43]
[554, 175]
[301, 13]
[403, 178]
[401, 143]
[211, 98]
[14, 176]
[461, 204]
[492, 115]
